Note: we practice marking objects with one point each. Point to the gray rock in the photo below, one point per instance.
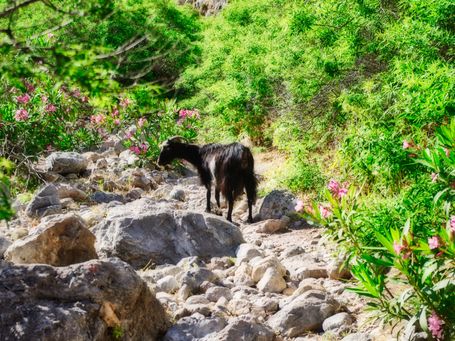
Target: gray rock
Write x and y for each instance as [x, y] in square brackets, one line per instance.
[135, 193]
[213, 294]
[340, 321]
[277, 204]
[195, 327]
[4, 244]
[68, 191]
[337, 270]
[306, 313]
[240, 329]
[45, 202]
[245, 252]
[273, 225]
[357, 337]
[194, 278]
[177, 194]
[140, 232]
[66, 163]
[101, 163]
[59, 241]
[303, 266]
[272, 281]
[167, 284]
[78, 302]
[106, 197]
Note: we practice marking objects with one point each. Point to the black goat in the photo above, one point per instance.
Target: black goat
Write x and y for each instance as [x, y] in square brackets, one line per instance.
[231, 166]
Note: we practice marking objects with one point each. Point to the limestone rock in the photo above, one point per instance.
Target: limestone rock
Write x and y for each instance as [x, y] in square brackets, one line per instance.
[340, 322]
[4, 244]
[167, 284]
[195, 327]
[273, 225]
[260, 266]
[213, 294]
[240, 329]
[272, 281]
[106, 197]
[84, 300]
[245, 252]
[277, 204]
[45, 202]
[58, 241]
[357, 337]
[68, 191]
[141, 231]
[177, 194]
[66, 163]
[306, 313]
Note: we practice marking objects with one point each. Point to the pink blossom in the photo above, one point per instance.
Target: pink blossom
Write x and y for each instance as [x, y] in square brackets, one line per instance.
[97, 119]
[135, 149]
[144, 148]
[44, 99]
[49, 148]
[433, 242]
[398, 247]
[141, 122]
[29, 86]
[336, 189]
[452, 223]
[76, 93]
[21, 115]
[434, 177]
[128, 135]
[50, 35]
[24, 99]
[117, 122]
[125, 102]
[186, 113]
[406, 144]
[325, 211]
[115, 112]
[50, 108]
[435, 324]
[299, 206]
[84, 99]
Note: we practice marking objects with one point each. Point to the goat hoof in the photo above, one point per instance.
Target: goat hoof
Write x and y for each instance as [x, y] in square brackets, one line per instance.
[250, 221]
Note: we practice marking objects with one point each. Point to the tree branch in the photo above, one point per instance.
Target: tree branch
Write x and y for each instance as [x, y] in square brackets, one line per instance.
[7, 12]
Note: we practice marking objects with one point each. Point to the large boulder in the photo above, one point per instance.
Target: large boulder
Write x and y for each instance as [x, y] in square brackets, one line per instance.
[4, 244]
[195, 327]
[66, 163]
[277, 204]
[143, 231]
[86, 301]
[46, 201]
[60, 240]
[305, 313]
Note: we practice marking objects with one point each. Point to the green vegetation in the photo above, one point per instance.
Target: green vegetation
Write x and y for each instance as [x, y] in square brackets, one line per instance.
[362, 91]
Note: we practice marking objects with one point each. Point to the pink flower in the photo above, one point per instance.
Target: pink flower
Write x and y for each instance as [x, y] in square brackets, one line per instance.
[50, 35]
[144, 148]
[97, 119]
[336, 189]
[299, 206]
[434, 177]
[50, 108]
[185, 113]
[397, 247]
[447, 151]
[406, 144]
[135, 149]
[452, 223]
[117, 122]
[325, 211]
[141, 122]
[128, 135]
[115, 112]
[435, 324]
[333, 186]
[29, 86]
[76, 93]
[84, 99]
[21, 115]
[125, 102]
[49, 148]
[24, 99]
[44, 99]
[433, 242]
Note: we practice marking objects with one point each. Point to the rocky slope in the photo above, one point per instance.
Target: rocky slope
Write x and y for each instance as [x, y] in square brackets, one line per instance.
[106, 250]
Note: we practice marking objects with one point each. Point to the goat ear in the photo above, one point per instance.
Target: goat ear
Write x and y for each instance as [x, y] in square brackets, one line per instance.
[176, 139]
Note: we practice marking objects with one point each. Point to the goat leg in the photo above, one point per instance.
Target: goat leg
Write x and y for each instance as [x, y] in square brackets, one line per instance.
[230, 199]
[217, 197]
[209, 194]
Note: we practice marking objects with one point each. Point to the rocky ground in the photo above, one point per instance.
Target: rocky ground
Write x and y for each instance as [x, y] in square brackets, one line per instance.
[106, 251]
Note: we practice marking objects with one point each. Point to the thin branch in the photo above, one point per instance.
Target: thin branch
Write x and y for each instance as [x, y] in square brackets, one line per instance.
[124, 48]
[7, 12]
